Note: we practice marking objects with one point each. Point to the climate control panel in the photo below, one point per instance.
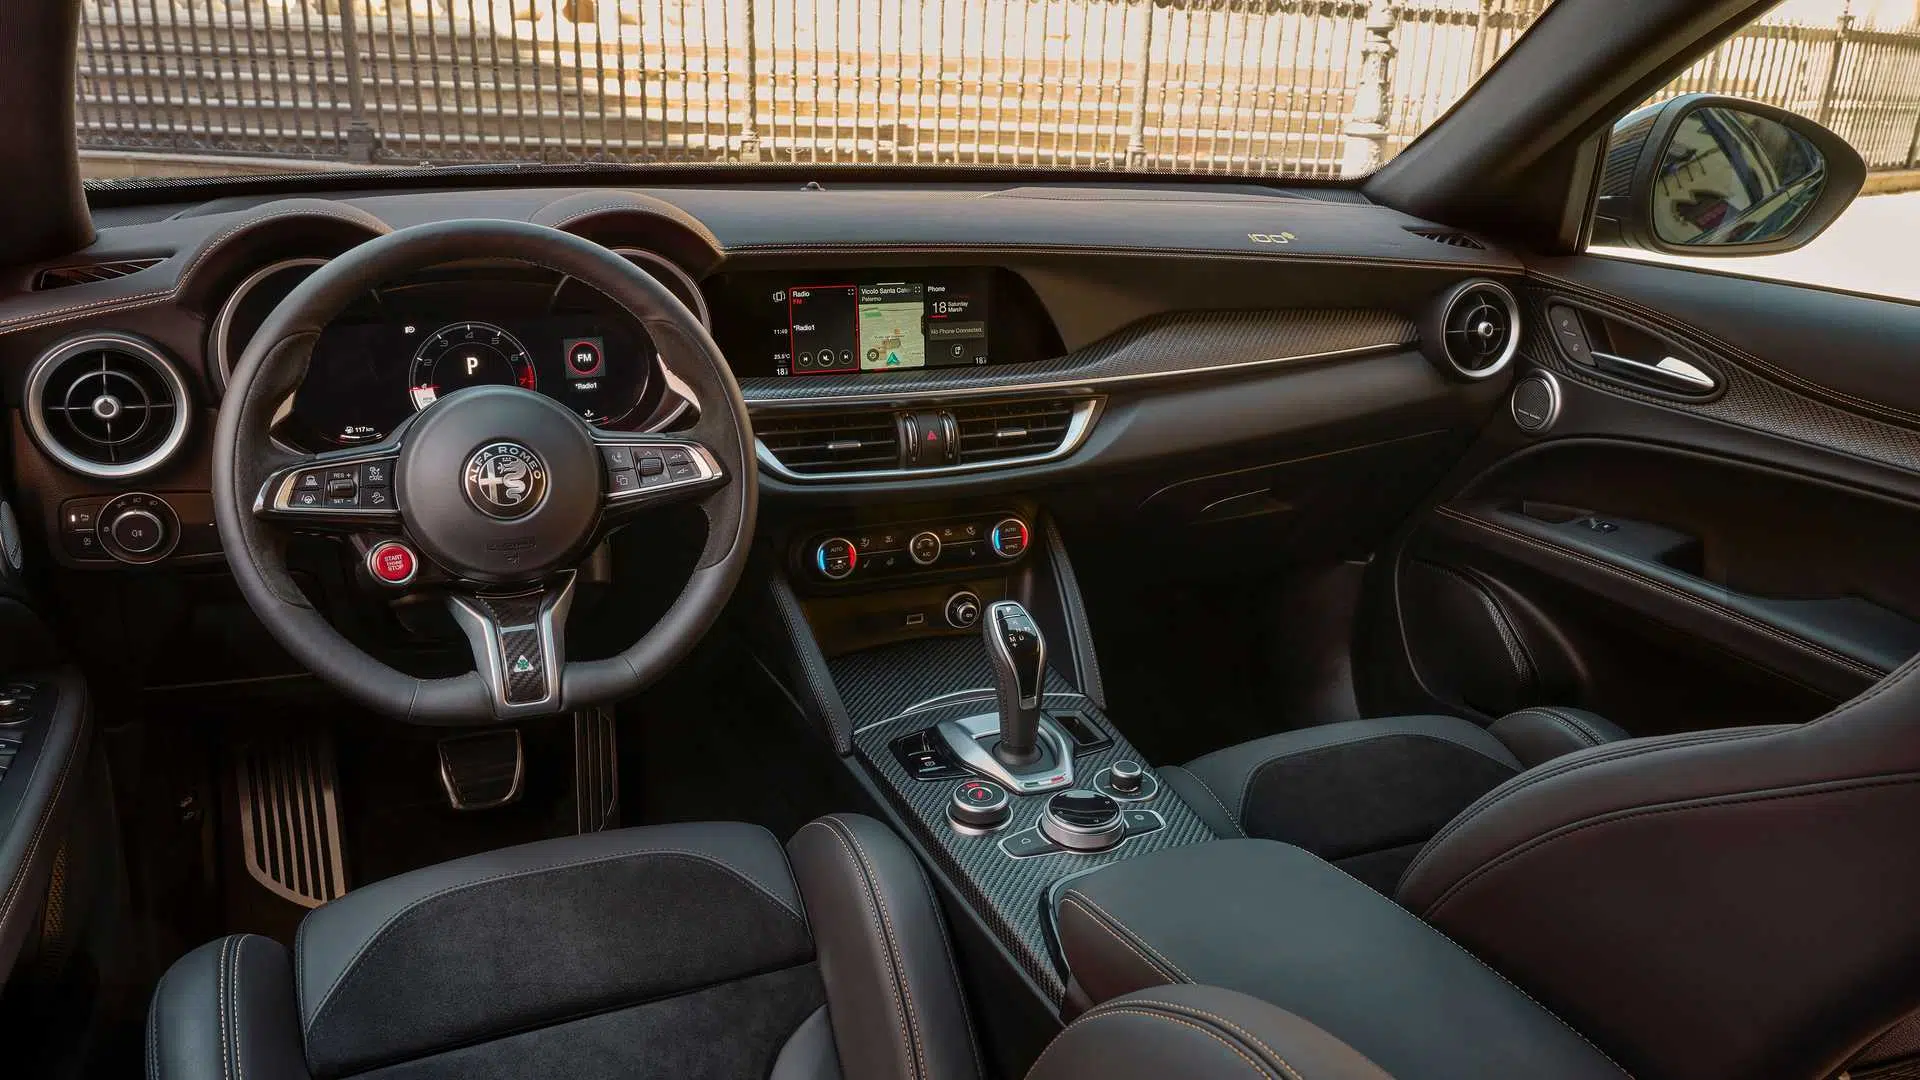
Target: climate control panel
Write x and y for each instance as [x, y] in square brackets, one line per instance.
[885, 551]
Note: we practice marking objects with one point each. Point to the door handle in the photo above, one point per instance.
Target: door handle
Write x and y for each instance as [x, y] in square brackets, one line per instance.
[1671, 373]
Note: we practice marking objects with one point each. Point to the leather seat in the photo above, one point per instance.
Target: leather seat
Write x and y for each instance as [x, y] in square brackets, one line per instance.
[1366, 794]
[698, 952]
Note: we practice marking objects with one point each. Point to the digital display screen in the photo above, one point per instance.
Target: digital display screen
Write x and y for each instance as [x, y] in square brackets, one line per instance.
[840, 326]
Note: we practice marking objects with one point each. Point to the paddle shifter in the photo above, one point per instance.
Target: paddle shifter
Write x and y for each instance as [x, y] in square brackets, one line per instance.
[1019, 654]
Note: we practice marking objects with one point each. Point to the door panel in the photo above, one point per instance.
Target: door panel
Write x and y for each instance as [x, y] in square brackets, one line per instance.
[1672, 557]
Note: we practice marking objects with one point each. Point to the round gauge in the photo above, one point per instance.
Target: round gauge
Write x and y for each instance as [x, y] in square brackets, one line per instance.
[467, 354]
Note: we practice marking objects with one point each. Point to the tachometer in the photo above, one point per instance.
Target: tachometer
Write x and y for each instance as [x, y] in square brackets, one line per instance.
[467, 354]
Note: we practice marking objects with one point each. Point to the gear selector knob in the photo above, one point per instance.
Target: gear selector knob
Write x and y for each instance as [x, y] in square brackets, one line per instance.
[1019, 655]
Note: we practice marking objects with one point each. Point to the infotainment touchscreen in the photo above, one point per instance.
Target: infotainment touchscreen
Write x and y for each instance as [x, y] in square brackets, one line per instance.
[833, 324]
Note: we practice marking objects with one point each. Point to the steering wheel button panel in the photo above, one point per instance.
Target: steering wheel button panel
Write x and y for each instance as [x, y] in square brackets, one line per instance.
[360, 487]
[655, 466]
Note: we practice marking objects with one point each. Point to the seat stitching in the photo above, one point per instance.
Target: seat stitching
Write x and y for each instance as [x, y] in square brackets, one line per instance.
[870, 896]
[1116, 924]
[1153, 967]
[373, 939]
[1548, 771]
[220, 1003]
[1562, 723]
[1221, 1020]
[1258, 1068]
[153, 1027]
[239, 1057]
[953, 967]
[1707, 802]
[1585, 729]
[1442, 935]
[1246, 785]
[1214, 795]
[1811, 647]
[17, 887]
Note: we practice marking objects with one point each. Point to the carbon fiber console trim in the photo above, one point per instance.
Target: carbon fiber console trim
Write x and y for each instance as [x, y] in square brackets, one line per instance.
[887, 692]
[1187, 343]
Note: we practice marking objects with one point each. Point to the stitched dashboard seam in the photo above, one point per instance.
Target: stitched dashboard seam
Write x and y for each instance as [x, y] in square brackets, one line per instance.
[1709, 606]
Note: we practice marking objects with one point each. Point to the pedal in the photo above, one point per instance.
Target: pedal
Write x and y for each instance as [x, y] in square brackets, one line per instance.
[290, 818]
[482, 770]
[596, 771]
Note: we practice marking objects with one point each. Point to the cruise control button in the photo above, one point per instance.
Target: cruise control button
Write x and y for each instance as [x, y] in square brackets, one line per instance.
[307, 500]
[617, 457]
[311, 480]
[651, 465]
[620, 481]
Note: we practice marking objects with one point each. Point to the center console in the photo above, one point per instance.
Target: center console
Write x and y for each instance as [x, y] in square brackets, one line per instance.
[947, 657]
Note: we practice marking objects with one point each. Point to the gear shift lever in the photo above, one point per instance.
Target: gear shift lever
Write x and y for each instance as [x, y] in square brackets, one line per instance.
[1019, 655]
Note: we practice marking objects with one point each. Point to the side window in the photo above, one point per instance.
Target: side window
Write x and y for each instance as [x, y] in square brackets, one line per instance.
[1742, 180]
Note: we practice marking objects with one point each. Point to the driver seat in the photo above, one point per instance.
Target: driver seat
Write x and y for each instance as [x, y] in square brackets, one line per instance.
[700, 950]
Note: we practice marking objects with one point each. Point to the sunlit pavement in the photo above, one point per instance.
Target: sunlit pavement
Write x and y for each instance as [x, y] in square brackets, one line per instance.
[1873, 248]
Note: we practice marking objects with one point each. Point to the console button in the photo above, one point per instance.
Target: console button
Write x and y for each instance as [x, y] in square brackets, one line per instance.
[924, 547]
[1126, 776]
[963, 610]
[1027, 843]
[1083, 820]
[1138, 822]
[392, 563]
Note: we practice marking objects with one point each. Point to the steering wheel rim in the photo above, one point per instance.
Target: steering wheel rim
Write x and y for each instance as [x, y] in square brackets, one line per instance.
[245, 460]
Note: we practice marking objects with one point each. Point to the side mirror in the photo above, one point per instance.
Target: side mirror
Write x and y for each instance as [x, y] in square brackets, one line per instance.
[1705, 175]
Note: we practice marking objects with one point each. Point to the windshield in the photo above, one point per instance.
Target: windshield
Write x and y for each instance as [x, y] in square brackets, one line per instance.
[1294, 88]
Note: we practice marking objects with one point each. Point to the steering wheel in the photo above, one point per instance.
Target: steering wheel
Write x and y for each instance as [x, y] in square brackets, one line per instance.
[499, 490]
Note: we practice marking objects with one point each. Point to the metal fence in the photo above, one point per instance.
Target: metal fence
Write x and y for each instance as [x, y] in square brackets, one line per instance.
[1255, 87]
[1297, 87]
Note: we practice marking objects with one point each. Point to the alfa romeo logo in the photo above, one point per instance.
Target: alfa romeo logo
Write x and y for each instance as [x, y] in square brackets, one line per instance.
[505, 480]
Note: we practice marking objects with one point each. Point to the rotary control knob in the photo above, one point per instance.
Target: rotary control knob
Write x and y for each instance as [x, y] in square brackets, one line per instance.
[1009, 538]
[138, 528]
[979, 806]
[963, 610]
[835, 558]
[1082, 820]
[1125, 776]
[924, 548]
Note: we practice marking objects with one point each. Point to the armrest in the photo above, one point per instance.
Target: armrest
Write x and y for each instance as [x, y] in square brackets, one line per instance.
[1201, 1032]
[1273, 921]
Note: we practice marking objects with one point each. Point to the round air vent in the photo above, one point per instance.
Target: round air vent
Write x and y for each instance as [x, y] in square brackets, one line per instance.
[108, 406]
[1479, 329]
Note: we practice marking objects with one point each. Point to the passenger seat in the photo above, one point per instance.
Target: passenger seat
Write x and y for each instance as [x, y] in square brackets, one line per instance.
[1367, 794]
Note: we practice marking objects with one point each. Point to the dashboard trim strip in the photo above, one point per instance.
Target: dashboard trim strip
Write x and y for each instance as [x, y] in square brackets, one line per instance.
[904, 397]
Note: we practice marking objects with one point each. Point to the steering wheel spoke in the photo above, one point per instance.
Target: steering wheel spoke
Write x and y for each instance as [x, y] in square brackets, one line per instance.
[645, 471]
[519, 642]
[343, 491]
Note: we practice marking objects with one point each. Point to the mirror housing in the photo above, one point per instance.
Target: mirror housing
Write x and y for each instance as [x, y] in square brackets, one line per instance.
[1710, 176]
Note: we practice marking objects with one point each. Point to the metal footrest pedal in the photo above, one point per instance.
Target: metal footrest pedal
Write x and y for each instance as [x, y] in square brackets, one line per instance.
[596, 771]
[290, 818]
[482, 770]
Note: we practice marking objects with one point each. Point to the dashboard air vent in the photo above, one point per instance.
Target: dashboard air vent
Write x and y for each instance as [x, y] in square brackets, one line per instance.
[1449, 237]
[1480, 328]
[833, 443]
[109, 406]
[60, 277]
[1024, 429]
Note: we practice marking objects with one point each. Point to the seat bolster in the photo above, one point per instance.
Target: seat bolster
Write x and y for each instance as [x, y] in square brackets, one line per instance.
[1201, 1032]
[1544, 732]
[893, 992]
[227, 1009]
[1348, 788]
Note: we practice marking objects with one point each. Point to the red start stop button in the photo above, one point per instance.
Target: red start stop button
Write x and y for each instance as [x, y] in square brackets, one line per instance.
[393, 562]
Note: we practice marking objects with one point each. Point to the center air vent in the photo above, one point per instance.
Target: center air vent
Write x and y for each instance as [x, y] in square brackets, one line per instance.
[958, 438]
[109, 406]
[1449, 237]
[1025, 429]
[1479, 328]
[838, 443]
[60, 277]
